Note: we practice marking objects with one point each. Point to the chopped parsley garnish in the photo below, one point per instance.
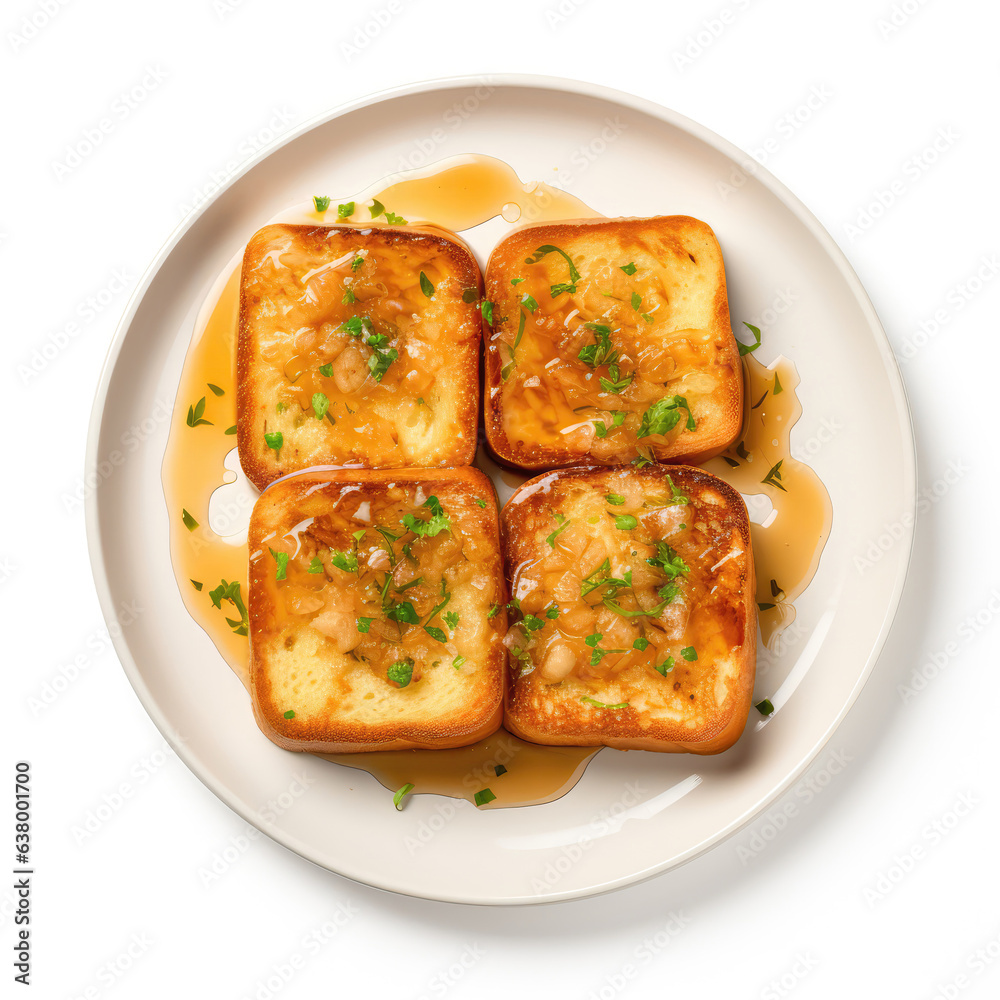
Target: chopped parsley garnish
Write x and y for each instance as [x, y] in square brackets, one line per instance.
[667, 560]
[451, 618]
[321, 203]
[216, 389]
[487, 310]
[458, 661]
[376, 208]
[349, 297]
[641, 643]
[493, 612]
[438, 522]
[320, 404]
[615, 499]
[749, 349]
[401, 672]
[195, 414]
[356, 325]
[231, 592]
[469, 295]
[553, 612]
[625, 522]
[401, 794]
[389, 538]
[600, 352]
[617, 419]
[484, 796]
[399, 588]
[281, 406]
[529, 302]
[230, 430]
[677, 496]
[425, 285]
[777, 386]
[433, 631]
[281, 558]
[594, 638]
[326, 370]
[664, 415]
[364, 624]
[346, 210]
[666, 666]
[499, 769]
[290, 714]
[404, 612]
[647, 318]
[773, 478]
[197, 584]
[563, 525]
[378, 363]
[516, 281]
[629, 268]
[601, 704]
[347, 561]
[532, 623]
[615, 384]
[689, 653]
[636, 300]
[274, 440]
[574, 274]
[765, 707]
[357, 262]
[481, 503]
[189, 522]
[436, 633]
[394, 220]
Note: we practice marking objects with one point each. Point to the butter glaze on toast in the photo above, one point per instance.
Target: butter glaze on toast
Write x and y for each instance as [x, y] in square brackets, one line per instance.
[377, 640]
[343, 312]
[642, 307]
[587, 550]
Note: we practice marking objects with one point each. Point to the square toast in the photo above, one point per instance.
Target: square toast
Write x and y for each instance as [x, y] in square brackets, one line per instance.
[638, 625]
[357, 347]
[377, 610]
[610, 340]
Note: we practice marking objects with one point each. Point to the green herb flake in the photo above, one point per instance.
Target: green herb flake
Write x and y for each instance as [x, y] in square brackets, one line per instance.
[553, 612]
[290, 714]
[480, 503]
[458, 661]
[636, 301]
[403, 612]
[532, 623]
[438, 522]
[401, 672]
[357, 262]
[773, 477]
[516, 281]
[376, 208]
[349, 297]
[493, 612]
[451, 619]
[664, 415]
[347, 561]
[346, 210]
[487, 310]
[326, 371]
[469, 295]
[401, 794]
[189, 522]
[601, 704]
[689, 653]
[230, 430]
[195, 414]
[529, 303]
[615, 499]
[379, 362]
[425, 285]
[765, 707]
[281, 558]
[197, 584]
[320, 404]
[641, 643]
[600, 352]
[777, 386]
[321, 203]
[629, 268]
[216, 389]
[749, 349]
[563, 525]
[274, 440]
[364, 624]
[625, 522]
[499, 769]
[394, 220]
[574, 274]
[666, 666]
[668, 561]
[231, 592]
[594, 639]
[484, 796]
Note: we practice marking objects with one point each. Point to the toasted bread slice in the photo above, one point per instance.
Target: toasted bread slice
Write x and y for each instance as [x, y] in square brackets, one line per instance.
[377, 610]
[610, 339]
[356, 347]
[639, 626]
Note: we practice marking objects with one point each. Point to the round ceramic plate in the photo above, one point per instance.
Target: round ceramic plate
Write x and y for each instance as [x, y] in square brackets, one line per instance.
[632, 815]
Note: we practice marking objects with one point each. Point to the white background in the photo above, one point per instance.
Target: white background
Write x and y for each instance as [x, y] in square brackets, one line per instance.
[878, 880]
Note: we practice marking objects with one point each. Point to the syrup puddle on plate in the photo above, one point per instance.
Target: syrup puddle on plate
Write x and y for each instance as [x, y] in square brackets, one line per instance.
[210, 563]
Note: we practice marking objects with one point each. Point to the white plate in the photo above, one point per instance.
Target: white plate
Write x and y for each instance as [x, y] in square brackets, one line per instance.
[633, 814]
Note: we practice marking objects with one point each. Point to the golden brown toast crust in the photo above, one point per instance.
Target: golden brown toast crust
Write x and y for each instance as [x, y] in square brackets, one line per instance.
[321, 644]
[294, 342]
[668, 320]
[696, 705]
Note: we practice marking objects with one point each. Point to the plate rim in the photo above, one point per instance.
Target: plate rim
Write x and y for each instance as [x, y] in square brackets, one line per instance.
[577, 88]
